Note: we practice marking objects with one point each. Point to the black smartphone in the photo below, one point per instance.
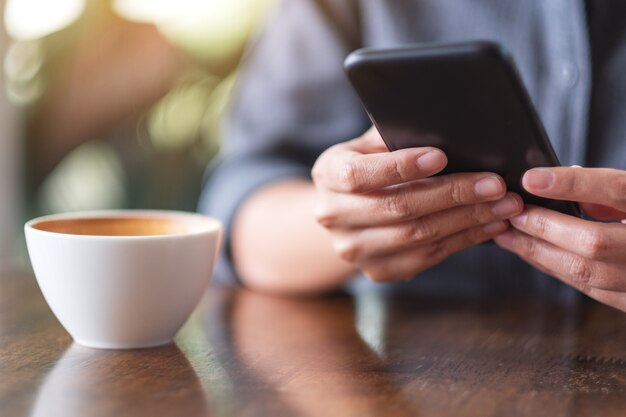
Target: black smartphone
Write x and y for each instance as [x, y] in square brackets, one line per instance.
[466, 99]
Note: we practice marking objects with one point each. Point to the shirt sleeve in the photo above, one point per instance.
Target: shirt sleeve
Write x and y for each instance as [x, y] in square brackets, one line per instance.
[292, 101]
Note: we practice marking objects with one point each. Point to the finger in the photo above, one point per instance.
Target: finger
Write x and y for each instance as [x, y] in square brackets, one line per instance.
[348, 171]
[407, 264]
[613, 298]
[364, 164]
[369, 142]
[588, 185]
[357, 245]
[573, 269]
[601, 212]
[593, 240]
[408, 201]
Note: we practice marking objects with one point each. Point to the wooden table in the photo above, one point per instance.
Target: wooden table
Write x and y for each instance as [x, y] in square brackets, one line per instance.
[244, 354]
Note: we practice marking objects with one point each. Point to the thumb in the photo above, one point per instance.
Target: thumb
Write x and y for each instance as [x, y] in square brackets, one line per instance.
[369, 142]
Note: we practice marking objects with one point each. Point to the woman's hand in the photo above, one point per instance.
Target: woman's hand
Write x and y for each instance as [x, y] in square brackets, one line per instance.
[390, 220]
[590, 256]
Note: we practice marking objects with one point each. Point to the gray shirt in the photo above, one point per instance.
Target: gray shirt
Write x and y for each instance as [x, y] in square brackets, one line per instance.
[293, 100]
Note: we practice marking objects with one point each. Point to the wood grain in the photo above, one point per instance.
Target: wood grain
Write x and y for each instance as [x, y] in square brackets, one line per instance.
[244, 354]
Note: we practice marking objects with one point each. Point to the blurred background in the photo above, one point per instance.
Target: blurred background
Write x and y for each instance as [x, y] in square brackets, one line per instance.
[112, 103]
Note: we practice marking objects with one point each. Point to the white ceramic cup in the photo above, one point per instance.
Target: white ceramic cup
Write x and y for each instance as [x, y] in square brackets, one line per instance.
[123, 279]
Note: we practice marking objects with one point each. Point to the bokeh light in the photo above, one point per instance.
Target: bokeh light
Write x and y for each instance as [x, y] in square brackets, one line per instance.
[175, 121]
[90, 178]
[210, 30]
[34, 19]
[22, 64]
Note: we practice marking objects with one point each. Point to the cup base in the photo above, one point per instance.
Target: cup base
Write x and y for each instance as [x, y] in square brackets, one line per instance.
[96, 344]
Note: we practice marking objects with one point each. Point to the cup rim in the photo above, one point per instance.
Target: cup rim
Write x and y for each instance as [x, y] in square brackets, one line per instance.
[213, 225]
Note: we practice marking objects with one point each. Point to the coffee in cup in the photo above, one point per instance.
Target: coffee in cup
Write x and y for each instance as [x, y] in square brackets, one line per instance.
[123, 279]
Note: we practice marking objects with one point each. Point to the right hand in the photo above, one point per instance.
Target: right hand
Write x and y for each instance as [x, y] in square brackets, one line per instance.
[390, 220]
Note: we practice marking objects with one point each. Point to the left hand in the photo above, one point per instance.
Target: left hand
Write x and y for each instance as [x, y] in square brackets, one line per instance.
[588, 255]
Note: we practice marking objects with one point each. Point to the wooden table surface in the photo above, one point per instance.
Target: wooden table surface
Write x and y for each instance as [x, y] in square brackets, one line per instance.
[243, 354]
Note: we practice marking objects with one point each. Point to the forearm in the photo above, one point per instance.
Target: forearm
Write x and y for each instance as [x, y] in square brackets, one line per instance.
[278, 246]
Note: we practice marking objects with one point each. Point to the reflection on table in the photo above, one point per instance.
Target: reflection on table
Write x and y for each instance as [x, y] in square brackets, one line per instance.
[440, 357]
[244, 354]
[159, 382]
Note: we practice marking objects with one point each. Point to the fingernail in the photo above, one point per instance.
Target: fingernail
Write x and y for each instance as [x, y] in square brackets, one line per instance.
[538, 178]
[488, 187]
[506, 207]
[506, 239]
[519, 220]
[495, 228]
[431, 161]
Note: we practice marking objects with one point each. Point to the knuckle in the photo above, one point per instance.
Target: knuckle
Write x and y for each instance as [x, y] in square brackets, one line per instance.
[347, 249]
[397, 170]
[539, 224]
[396, 205]
[422, 231]
[325, 215]
[581, 271]
[531, 248]
[393, 168]
[480, 214]
[476, 235]
[595, 244]
[349, 176]
[469, 238]
[528, 247]
[437, 252]
[457, 192]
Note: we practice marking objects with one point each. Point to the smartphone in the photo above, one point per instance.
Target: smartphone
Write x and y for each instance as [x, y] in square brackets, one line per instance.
[466, 99]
